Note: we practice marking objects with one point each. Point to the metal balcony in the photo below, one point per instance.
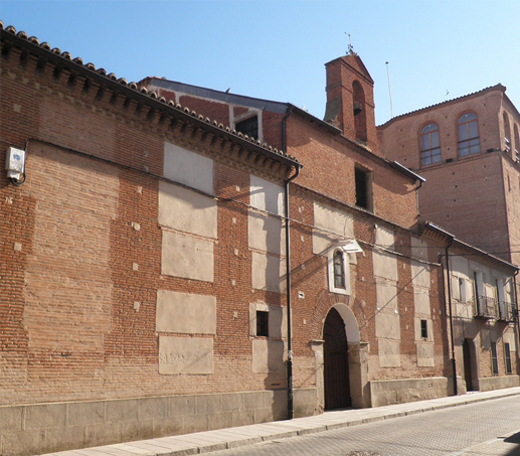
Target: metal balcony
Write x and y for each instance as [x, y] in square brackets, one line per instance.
[506, 311]
[485, 307]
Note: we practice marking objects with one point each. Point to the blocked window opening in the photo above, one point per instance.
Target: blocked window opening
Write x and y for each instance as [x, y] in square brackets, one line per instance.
[507, 355]
[424, 329]
[248, 127]
[262, 323]
[494, 358]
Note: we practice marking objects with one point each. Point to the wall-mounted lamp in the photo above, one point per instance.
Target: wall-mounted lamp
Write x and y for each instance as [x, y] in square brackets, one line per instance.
[15, 165]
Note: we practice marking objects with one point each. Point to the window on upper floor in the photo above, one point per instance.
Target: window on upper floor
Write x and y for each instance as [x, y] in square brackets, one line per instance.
[339, 278]
[339, 270]
[507, 132]
[248, 127]
[469, 141]
[430, 145]
[359, 108]
[517, 145]
[262, 323]
[363, 182]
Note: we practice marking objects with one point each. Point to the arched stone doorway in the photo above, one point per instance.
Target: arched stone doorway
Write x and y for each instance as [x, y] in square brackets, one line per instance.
[344, 366]
[335, 358]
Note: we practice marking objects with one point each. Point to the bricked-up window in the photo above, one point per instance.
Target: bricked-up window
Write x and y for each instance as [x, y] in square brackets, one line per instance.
[248, 127]
[507, 355]
[494, 358]
[469, 141]
[424, 329]
[262, 323]
[430, 145]
[339, 269]
[363, 181]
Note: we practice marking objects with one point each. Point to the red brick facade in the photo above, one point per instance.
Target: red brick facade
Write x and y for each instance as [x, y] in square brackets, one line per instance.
[89, 343]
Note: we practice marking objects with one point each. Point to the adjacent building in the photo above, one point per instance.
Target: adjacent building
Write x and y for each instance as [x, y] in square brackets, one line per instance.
[176, 259]
[468, 149]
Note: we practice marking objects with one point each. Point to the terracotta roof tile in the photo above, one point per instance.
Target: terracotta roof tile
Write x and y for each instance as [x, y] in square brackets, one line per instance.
[143, 90]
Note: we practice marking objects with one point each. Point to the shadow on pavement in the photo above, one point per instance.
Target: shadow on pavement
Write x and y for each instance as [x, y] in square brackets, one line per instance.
[514, 439]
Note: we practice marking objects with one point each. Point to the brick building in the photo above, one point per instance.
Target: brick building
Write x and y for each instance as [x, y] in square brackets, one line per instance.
[165, 271]
[468, 149]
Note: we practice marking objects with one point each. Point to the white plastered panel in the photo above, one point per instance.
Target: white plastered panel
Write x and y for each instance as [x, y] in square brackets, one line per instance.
[185, 355]
[185, 313]
[189, 168]
[186, 210]
[268, 272]
[188, 257]
[266, 196]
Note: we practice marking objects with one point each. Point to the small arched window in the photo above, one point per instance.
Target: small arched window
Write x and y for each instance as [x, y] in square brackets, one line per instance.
[339, 270]
[430, 145]
[469, 142]
[507, 133]
[360, 115]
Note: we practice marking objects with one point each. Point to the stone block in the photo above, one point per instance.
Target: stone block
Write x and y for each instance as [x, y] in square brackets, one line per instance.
[25, 443]
[11, 418]
[182, 406]
[45, 416]
[122, 410]
[82, 413]
[103, 434]
[153, 408]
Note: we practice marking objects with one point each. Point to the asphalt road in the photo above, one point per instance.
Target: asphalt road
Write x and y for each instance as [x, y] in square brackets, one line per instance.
[487, 428]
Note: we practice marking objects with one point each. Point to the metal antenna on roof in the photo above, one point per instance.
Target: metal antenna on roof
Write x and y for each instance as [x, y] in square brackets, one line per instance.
[389, 91]
[350, 47]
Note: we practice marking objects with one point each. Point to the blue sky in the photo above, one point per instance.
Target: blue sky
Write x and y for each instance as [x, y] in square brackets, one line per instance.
[437, 50]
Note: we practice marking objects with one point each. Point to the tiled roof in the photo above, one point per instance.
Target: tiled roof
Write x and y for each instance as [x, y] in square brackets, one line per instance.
[497, 86]
[144, 91]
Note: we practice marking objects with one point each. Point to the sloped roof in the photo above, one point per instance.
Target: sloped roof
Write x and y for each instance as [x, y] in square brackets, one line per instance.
[498, 86]
[55, 55]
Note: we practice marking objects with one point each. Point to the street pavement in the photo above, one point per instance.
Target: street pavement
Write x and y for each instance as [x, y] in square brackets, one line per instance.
[474, 424]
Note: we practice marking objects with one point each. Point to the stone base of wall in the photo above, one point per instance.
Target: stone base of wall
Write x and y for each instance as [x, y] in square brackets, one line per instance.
[44, 428]
[388, 392]
[494, 383]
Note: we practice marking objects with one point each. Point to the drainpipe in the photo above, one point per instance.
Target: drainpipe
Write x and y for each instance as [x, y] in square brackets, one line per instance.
[290, 391]
[517, 314]
[453, 360]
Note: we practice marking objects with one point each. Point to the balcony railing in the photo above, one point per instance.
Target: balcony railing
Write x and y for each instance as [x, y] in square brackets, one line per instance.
[506, 311]
[485, 307]
[492, 309]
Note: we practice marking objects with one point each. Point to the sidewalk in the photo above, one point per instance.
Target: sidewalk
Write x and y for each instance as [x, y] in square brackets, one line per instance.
[205, 442]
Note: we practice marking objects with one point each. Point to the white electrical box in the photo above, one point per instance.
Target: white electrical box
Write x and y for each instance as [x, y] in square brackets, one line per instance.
[15, 163]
